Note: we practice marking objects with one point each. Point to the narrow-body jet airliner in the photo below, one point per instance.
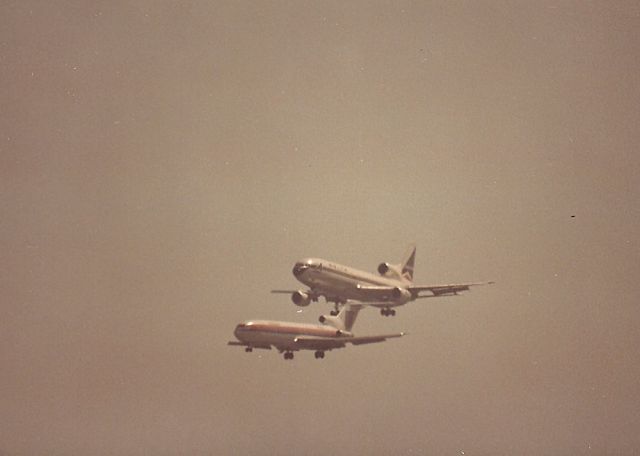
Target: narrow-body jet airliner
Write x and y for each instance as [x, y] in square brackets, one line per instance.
[392, 287]
[288, 337]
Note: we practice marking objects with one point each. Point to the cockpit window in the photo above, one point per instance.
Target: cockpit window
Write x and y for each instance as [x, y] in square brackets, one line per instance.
[302, 266]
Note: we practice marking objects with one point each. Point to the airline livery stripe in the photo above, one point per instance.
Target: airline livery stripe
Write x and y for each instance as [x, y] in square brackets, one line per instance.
[325, 332]
[357, 277]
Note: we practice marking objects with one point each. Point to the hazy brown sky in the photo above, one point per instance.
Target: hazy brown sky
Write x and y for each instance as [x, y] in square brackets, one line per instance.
[164, 164]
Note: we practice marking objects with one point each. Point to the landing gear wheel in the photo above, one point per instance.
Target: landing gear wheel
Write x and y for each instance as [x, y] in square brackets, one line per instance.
[392, 312]
[319, 354]
[288, 355]
[333, 313]
[248, 349]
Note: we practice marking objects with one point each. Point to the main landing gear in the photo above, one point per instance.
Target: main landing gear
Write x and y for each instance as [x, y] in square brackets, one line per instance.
[248, 349]
[288, 355]
[387, 312]
[319, 354]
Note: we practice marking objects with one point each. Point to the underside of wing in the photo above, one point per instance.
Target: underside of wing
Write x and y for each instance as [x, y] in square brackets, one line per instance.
[443, 290]
[319, 343]
[377, 292]
[378, 304]
[372, 339]
[242, 344]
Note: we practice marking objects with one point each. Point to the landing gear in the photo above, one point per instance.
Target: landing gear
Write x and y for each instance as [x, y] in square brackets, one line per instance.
[337, 304]
[288, 355]
[248, 349]
[319, 354]
[387, 312]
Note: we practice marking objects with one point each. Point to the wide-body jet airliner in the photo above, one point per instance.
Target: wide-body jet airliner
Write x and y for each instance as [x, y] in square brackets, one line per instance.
[392, 287]
[288, 337]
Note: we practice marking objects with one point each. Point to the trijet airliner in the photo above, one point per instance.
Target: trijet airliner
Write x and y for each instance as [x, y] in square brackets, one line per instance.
[288, 337]
[392, 287]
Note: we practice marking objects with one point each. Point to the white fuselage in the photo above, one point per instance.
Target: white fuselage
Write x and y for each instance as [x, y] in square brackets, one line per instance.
[332, 279]
[282, 334]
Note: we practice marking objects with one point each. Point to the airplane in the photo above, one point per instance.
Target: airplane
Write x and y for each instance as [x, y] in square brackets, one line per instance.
[288, 337]
[391, 288]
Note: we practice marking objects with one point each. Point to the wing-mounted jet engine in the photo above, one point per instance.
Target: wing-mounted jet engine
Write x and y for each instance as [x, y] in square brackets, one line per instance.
[301, 298]
[401, 294]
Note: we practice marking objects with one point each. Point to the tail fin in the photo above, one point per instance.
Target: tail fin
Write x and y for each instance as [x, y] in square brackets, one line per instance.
[345, 319]
[407, 263]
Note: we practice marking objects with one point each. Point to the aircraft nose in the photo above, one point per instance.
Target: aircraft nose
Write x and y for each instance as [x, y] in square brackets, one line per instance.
[238, 329]
[299, 268]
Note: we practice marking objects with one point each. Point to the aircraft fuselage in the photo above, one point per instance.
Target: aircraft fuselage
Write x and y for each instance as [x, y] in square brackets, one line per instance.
[332, 279]
[282, 334]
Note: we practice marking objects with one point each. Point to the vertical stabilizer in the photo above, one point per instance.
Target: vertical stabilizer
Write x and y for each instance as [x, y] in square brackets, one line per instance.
[408, 262]
[345, 319]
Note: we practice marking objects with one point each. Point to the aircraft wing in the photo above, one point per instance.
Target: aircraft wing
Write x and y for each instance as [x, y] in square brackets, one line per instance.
[320, 343]
[326, 343]
[443, 290]
[381, 293]
[372, 339]
[241, 344]
[385, 293]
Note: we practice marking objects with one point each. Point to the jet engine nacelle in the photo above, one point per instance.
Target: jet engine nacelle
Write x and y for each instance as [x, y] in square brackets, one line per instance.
[401, 294]
[327, 319]
[300, 298]
[331, 320]
[389, 270]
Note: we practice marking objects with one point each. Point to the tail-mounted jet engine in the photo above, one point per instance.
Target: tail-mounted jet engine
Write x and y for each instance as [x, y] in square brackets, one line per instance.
[389, 270]
[328, 320]
[300, 298]
[331, 320]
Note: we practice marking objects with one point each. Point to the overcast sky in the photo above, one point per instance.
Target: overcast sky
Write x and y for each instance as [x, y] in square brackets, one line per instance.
[164, 164]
